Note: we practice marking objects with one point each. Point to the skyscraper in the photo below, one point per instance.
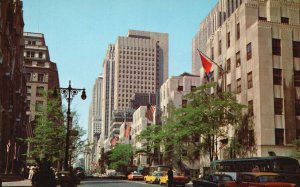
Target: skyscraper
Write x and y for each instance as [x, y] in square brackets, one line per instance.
[258, 45]
[136, 63]
[95, 121]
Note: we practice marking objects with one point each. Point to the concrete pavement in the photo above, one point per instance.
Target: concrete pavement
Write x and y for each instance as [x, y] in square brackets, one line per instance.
[17, 183]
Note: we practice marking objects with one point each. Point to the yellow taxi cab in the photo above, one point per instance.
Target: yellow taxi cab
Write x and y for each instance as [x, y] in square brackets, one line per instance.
[154, 177]
[177, 179]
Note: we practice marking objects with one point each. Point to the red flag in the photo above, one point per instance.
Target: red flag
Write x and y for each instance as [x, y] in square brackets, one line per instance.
[7, 146]
[206, 62]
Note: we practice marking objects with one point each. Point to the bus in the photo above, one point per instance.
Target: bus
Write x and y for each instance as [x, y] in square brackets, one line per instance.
[288, 168]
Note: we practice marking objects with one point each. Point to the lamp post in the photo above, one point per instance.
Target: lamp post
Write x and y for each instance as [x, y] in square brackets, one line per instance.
[68, 94]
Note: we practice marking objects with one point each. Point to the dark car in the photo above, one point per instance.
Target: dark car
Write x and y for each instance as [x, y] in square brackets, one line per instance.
[212, 180]
[79, 172]
[65, 178]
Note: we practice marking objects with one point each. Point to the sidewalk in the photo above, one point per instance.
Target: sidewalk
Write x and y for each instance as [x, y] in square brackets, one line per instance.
[26, 182]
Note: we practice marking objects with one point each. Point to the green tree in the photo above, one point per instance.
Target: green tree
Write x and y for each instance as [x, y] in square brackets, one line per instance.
[206, 115]
[120, 157]
[49, 131]
[296, 152]
[76, 142]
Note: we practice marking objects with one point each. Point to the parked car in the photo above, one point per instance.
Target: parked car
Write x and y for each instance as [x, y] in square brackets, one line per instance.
[135, 176]
[257, 179]
[211, 180]
[154, 177]
[177, 180]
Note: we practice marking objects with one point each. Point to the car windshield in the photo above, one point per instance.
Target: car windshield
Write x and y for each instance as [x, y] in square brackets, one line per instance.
[218, 178]
[136, 173]
[267, 178]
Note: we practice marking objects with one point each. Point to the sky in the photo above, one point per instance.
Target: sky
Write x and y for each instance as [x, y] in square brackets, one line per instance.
[77, 33]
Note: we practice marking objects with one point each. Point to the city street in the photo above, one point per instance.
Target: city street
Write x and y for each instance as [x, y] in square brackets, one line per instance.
[117, 183]
[96, 182]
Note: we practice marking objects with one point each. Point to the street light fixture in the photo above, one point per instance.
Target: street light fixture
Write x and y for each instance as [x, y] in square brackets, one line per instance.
[68, 94]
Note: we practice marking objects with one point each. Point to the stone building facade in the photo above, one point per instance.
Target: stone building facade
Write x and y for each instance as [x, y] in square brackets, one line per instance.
[12, 86]
[257, 43]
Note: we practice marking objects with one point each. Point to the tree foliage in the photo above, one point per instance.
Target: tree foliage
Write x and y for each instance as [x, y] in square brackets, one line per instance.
[296, 152]
[120, 156]
[49, 131]
[206, 116]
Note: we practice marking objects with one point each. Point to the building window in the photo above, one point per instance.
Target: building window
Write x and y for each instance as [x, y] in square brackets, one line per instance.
[38, 106]
[228, 39]
[296, 49]
[249, 51]
[297, 107]
[184, 103]
[212, 53]
[220, 47]
[278, 106]
[40, 55]
[228, 62]
[249, 80]
[238, 34]
[40, 77]
[277, 76]
[262, 18]
[180, 88]
[39, 91]
[28, 90]
[28, 76]
[238, 59]
[238, 85]
[193, 88]
[279, 136]
[285, 20]
[250, 108]
[276, 47]
[228, 88]
[297, 78]
[212, 77]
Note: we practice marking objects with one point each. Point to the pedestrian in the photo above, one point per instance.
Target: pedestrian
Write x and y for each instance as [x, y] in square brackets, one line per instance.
[44, 176]
[255, 169]
[31, 172]
[170, 177]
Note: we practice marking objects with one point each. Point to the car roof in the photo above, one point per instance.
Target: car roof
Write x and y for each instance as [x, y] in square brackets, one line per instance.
[260, 173]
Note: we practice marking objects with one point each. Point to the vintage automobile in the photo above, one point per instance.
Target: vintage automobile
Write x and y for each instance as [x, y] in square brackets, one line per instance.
[257, 179]
[177, 180]
[212, 180]
[135, 176]
[154, 177]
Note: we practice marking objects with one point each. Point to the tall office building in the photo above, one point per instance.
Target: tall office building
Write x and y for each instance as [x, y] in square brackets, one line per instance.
[95, 118]
[108, 90]
[136, 63]
[258, 45]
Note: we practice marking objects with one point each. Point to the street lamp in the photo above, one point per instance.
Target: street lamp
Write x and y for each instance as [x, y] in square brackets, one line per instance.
[68, 94]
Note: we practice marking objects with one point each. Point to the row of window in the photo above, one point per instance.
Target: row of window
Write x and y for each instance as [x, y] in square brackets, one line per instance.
[136, 63]
[276, 48]
[39, 91]
[136, 53]
[33, 54]
[137, 58]
[32, 77]
[137, 48]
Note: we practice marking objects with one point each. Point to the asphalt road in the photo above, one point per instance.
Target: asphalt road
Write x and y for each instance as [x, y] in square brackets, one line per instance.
[116, 183]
